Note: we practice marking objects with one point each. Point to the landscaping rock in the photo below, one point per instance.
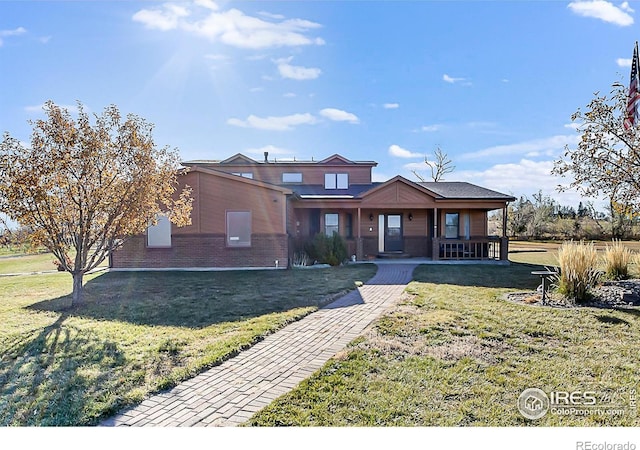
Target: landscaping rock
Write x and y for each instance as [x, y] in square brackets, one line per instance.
[622, 294]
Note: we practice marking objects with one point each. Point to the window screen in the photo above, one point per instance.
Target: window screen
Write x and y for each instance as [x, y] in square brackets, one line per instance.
[159, 235]
[292, 178]
[238, 228]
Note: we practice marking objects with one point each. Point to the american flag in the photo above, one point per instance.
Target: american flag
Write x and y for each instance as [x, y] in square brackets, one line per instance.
[634, 94]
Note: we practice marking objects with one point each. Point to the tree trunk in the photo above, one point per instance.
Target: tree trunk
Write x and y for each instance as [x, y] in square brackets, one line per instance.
[77, 297]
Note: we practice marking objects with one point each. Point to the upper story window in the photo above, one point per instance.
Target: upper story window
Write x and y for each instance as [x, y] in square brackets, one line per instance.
[159, 235]
[292, 178]
[336, 181]
[244, 174]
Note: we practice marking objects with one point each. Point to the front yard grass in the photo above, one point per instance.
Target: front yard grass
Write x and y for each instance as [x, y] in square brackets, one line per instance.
[138, 333]
[453, 353]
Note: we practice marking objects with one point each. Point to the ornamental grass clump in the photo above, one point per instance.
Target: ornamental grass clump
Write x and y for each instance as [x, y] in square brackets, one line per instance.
[578, 270]
[617, 259]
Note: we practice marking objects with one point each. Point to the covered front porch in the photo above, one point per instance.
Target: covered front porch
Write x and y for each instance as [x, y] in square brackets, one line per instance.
[432, 233]
[400, 218]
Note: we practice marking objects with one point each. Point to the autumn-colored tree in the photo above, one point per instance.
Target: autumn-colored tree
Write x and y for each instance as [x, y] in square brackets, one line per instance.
[439, 168]
[83, 188]
[606, 161]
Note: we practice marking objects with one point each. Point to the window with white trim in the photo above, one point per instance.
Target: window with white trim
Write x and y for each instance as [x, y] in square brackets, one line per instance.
[336, 181]
[159, 235]
[292, 178]
[331, 224]
[451, 225]
[238, 228]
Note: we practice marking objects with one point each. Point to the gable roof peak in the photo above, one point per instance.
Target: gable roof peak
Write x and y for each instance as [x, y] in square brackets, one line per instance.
[238, 158]
[336, 158]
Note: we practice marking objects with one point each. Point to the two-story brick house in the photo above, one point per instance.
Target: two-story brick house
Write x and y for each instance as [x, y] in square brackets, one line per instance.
[248, 213]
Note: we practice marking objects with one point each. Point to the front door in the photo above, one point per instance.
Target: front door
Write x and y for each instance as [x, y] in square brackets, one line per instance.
[393, 241]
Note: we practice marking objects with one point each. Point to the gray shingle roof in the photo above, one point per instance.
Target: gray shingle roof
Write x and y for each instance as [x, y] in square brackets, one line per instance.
[463, 190]
[454, 190]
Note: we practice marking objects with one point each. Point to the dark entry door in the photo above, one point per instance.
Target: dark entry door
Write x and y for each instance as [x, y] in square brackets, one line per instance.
[393, 241]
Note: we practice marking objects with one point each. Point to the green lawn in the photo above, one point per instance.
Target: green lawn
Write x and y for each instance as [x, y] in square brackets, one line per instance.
[546, 253]
[39, 262]
[454, 353]
[138, 333]
[30, 263]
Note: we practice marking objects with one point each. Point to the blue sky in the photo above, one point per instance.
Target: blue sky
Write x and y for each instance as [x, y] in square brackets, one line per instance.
[492, 83]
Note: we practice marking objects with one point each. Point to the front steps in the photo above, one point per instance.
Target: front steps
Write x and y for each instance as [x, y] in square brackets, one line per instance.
[393, 255]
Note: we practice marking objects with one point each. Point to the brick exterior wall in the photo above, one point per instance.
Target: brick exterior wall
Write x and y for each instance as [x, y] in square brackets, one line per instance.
[202, 250]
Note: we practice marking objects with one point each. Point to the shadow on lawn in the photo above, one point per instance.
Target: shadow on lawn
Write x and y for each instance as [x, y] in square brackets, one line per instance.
[44, 378]
[513, 276]
[189, 299]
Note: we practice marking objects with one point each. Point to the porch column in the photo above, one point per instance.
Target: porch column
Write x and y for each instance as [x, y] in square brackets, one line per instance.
[435, 243]
[504, 240]
[504, 219]
[359, 246]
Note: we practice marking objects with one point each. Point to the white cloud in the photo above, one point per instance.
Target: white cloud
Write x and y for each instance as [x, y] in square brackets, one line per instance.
[431, 128]
[417, 166]
[15, 32]
[482, 125]
[603, 10]
[624, 62]
[452, 80]
[289, 95]
[539, 146]
[287, 70]
[626, 7]
[231, 27]
[274, 123]
[339, 115]
[40, 108]
[391, 105]
[164, 19]
[270, 15]
[573, 125]
[209, 4]
[525, 177]
[399, 152]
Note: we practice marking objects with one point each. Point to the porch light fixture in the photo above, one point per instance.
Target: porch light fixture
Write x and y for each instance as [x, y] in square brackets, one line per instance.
[410, 216]
[371, 217]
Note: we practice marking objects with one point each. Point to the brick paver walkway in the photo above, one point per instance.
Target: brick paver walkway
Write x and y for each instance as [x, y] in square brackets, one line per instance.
[229, 394]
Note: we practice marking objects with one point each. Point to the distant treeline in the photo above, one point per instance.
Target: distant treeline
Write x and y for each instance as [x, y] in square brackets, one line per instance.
[541, 217]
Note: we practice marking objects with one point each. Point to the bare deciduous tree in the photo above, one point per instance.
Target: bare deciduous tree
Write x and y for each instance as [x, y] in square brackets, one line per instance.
[439, 168]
